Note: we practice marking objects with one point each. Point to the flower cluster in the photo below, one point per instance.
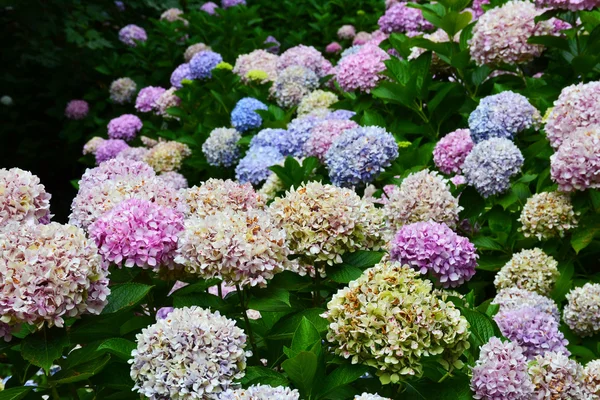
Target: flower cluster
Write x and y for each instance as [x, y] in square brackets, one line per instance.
[315, 101]
[191, 354]
[346, 32]
[219, 195]
[109, 149]
[547, 215]
[362, 70]
[124, 127]
[292, 84]
[591, 379]
[254, 167]
[165, 101]
[209, 7]
[132, 153]
[194, 49]
[401, 18]
[22, 198]
[307, 57]
[179, 74]
[576, 163]
[115, 168]
[232, 3]
[172, 15]
[501, 372]
[571, 5]
[531, 270]
[281, 139]
[299, 131]
[500, 35]
[324, 134]
[333, 48]
[323, 222]
[422, 196]
[49, 273]
[388, 318]
[167, 156]
[138, 232]
[131, 34]
[359, 155]
[92, 145]
[450, 152]
[258, 60]
[261, 392]
[221, 148]
[202, 64]
[174, 180]
[502, 115]
[122, 90]
[244, 116]
[515, 298]
[242, 248]
[434, 249]
[582, 312]
[555, 376]
[77, 109]
[491, 164]
[147, 97]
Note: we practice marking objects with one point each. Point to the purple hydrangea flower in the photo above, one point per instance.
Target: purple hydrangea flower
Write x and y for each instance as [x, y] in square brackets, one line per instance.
[433, 248]
[146, 99]
[307, 57]
[120, 5]
[232, 3]
[450, 152]
[340, 115]
[362, 70]
[275, 45]
[278, 138]
[502, 115]
[109, 149]
[359, 155]
[244, 116]
[515, 298]
[209, 7]
[181, 72]
[164, 312]
[254, 167]
[131, 34]
[202, 64]
[124, 127]
[401, 18]
[77, 109]
[299, 131]
[115, 168]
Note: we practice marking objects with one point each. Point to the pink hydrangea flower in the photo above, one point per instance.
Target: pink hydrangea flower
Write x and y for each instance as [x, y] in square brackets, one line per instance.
[146, 99]
[307, 57]
[333, 48]
[77, 109]
[572, 5]
[401, 18]
[362, 71]
[346, 32]
[22, 198]
[576, 163]
[450, 152]
[323, 135]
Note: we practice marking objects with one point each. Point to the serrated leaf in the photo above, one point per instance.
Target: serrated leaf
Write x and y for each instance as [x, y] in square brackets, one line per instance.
[43, 348]
[120, 347]
[204, 300]
[124, 296]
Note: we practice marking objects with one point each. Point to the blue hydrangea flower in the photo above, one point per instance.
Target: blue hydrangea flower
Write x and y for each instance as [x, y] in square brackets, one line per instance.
[182, 72]
[202, 64]
[254, 167]
[340, 115]
[221, 148]
[491, 164]
[359, 155]
[278, 138]
[244, 116]
[502, 115]
[299, 131]
[351, 50]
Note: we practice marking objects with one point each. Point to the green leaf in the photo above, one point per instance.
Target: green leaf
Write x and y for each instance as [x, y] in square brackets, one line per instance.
[301, 370]
[273, 300]
[204, 300]
[305, 337]
[44, 347]
[81, 372]
[124, 296]
[372, 118]
[564, 283]
[363, 258]
[257, 375]
[120, 347]
[343, 273]
[285, 328]
[103, 69]
[453, 22]
[595, 199]
[585, 233]
[16, 393]
[584, 354]
[342, 375]
[499, 221]
[482, 326]
[486, 243]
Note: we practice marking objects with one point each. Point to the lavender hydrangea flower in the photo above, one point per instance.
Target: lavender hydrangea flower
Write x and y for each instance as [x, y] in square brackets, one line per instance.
[324, 134]
[133, 153]
[292, 84]
[258, 60]
[515, 298]
[307, 57]
[131, 34]
[120, 5]
[254, 167]
[362, 71]
[22, 198]
[109, 149]
[92, 145]
[278, 138]
[401, 18]
[194, 49]
[146, 99]
[502, 115]
[232, 3]
[536, 332]
[369, 396]
[491, 164]
[180, 73]
[221, 148]
[165, 101]
[434, 249]
[77, 109]
[209, 7]
[450, 152]
[572, 5]
[340, 115]
[359, 155]
[202, 64]
[174, 180]
[112, 169]
[125, 127]
[501, 372]
[244, 116]
[164, 312]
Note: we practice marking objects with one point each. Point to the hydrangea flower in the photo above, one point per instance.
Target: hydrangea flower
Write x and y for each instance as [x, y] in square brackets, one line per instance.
[172, 15]
[113, 169]
[434, 249]
[571, 5]
[133, 154]
[361, 71]
[369, 396]
[216, 195]
[576, 163]
[324, 134]
[244, 116]
[23, 198]
[450, 152]
[275, 45]
[323, 222]
[254, 167]
[272, 186]
[299, 131]
[346, 32]
[578, 106]
[531, 270]
[477, 8]
[422, 196]
[202, 64]
[333, 48]
[260, 60]
[174, 180]
[254, 245]
[221, 148]
[401, 18]
[307, 57]
[124, 127]
[180, 73]
[77, 109]
[146, 98]
[49, 273]
[232, 3]
[92, 145]
[361, 38]
[359, 155]
[502, 115]
[165, 101]
[109, 149]
[261, 392]
[167, 156]
[340, 115]
[491, 164]
[131, 34]
[536, 332]
[292, 84]
[582, 312]
[278, 138]
[363, 316]
[209, 7]
[319, 99]
[194, 49]
[122, 90]
[515, 298]
[120, 5]
[501, 372]
[500, 35]
[191, 354]
[138, 233]
[554, 376]
[350, 50]
[591, 379]
[547, 215]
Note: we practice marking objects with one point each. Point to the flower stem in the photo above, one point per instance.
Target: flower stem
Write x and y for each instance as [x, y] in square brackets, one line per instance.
[247, 320]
